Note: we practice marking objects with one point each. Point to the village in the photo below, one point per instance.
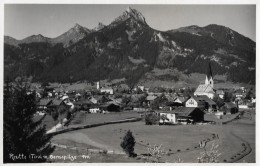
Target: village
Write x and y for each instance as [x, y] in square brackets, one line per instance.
[172, 106]
[65, 111]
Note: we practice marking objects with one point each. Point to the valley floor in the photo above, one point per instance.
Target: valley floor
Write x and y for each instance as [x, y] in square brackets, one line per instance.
[178, 141]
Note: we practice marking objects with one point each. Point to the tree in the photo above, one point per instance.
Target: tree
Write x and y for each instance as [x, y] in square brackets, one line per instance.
[126, 100]
[210, 156]
[227, 97]
[248, 95]
[22, 134]
[151, 119]
[128, 144]
[156, 152]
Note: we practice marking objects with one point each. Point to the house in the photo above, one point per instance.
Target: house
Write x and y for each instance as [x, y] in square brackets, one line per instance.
[220, 93]
[207, 88]
[109, 107]
[83, 105]
[229, 108]
[149, 99]
[94, 109]
[107, 90]
[56, 103]
[167, 118]
[180, 99]
[181, 115]
[195, 102]
[185, 115]
[210, 105]
[98, 99]
[43, 104]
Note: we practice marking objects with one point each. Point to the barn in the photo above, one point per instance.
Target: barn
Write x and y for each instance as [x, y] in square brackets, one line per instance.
[185, 115]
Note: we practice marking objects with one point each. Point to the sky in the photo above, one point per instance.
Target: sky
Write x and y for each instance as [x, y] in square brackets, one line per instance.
[51, 20]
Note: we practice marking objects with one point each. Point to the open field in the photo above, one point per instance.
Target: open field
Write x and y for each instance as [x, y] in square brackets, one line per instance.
[82, 118]
[177, 140]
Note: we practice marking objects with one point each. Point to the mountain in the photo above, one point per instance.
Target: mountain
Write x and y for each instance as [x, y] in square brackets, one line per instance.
[222, 34]
[11, 41]
[35, 39]
[99, 27]
[72, 36]
[129, 48]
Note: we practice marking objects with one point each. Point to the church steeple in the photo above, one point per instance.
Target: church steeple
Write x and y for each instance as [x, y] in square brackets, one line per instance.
[209, 77]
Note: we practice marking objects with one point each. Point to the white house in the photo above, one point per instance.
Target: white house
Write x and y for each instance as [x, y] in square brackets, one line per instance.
[94, 109]
[170, 118]
[107, 90]
[194, 101]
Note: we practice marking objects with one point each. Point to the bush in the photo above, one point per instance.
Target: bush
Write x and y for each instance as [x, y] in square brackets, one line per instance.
[128, 144]
[151, 119]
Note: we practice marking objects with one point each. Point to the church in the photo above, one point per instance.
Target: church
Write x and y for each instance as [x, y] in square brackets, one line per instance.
[207, 88]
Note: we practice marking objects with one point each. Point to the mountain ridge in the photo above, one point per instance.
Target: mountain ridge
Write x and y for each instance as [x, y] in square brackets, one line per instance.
[129, 48]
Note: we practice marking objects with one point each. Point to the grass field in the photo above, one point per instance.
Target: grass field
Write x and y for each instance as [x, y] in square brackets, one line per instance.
[174, 138]
[84, 119]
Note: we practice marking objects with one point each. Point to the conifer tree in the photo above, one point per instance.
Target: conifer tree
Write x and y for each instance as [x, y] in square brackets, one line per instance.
[23, 135]
[128, 144]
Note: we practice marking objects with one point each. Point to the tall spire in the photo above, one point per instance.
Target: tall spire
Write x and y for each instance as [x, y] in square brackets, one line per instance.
[209, 77]
[209, 73]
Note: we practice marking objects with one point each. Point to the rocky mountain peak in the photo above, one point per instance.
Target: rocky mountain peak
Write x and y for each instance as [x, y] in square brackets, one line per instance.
[99, 26]
[78, 28]
[131, 13]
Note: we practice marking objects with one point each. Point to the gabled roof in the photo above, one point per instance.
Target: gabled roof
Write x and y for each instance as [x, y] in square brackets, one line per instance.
[56, 102]
[151, 98]
[220, 92]
[196, 98]
[82, 102]
[182, 99]
[230, 105]
[107, 88]
[203, 88]
[185, 111]
[206, 99]
[44, 102]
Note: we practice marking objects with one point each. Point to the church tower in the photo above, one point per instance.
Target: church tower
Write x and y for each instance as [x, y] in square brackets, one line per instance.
[209, 77]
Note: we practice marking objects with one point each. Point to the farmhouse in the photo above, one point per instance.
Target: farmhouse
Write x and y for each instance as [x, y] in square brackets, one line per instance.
[210, 105]
[195, 102]
[110, 107]
[229, 108]
[167, 118]
[43, 104]
[181, 115]
[185, 115]
[207, 88]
